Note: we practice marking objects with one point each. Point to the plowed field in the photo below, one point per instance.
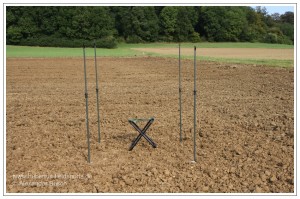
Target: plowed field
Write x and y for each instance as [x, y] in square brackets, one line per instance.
[245, 127]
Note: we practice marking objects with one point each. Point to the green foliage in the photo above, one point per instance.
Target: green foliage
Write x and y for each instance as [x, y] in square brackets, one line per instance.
[168, 19]
[123, 22]
[275, 35]
[286, 40]
[287, 30]
[186, 19]
[10, 18]
[134, 39]
[287, 17]
[145, 23]
[271, 38]
[107, 42]
[69, 26]
[14, 34]
[194, 37]
[229, 27]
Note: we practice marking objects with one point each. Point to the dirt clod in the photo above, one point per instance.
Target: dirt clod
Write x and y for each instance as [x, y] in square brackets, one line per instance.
[258, 189]
[273, 179]
[167, 172]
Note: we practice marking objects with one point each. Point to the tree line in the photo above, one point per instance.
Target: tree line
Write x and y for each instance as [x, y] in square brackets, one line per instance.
[62, 26]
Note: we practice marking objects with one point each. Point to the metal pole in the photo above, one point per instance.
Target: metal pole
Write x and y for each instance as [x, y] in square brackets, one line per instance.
[180, 110]
[195, 103]
[86, 107]
[97, 92]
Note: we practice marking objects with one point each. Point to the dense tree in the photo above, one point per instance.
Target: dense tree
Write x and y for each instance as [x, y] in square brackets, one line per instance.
[275, 17]
[168, 20]
[287, 17]
[229, 27]
[288, 31]
[255, 29]
[123, 21]
[101, 23]
[261, 11]
[47, 20]
[145, 23]
[186, 20]
[14, 34]
[72, 26]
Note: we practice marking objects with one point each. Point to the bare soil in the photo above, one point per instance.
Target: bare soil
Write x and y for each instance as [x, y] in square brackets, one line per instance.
[245, 127]
[234, 53]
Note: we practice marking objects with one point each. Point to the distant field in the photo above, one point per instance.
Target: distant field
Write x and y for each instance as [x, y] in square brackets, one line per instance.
[239, 53]
[169, 50]
[261, 56]
[209, 45]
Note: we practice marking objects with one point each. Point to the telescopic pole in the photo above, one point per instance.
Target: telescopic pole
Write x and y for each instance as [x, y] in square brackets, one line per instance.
[97, 92]
[180, 110]
[195, 104]
[86, 106]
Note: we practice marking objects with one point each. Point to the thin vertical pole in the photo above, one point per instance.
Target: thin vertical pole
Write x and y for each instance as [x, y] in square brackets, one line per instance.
[97, 92]
[86, 107]
[195, 103]
[180, 110]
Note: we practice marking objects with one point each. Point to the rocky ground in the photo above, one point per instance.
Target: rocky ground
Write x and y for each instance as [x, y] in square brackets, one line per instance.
[245, 127]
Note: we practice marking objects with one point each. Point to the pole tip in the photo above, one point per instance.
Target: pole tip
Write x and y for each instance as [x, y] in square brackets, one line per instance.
[195, 48]
[83, 45]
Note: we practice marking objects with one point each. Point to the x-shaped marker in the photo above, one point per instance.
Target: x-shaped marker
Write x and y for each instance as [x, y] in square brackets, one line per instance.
[142, 133]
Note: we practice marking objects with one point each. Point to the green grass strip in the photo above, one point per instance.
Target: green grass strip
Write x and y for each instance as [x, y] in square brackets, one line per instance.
[124, 50]
[44, 52]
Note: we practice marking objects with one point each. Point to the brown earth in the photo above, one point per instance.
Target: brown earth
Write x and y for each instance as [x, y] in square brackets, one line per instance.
[245, 127]
[235, 53]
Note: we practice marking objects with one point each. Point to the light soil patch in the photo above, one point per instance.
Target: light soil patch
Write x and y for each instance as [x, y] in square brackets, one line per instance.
[235, 53]
[245, 121]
